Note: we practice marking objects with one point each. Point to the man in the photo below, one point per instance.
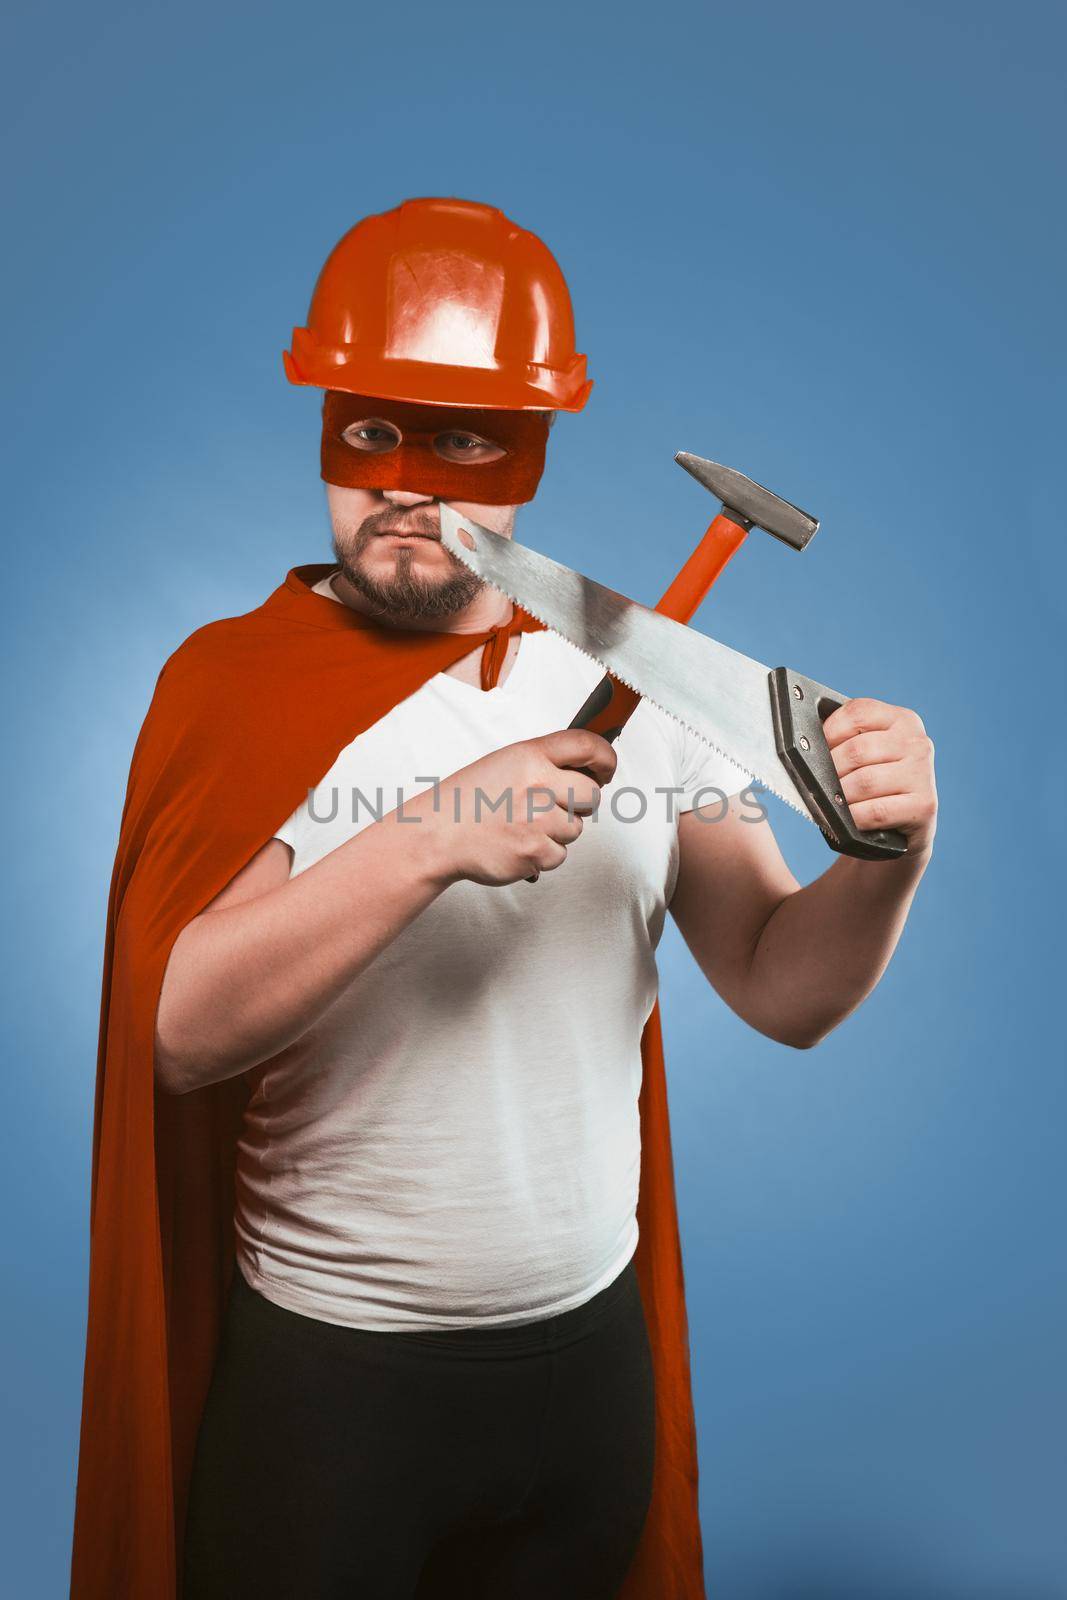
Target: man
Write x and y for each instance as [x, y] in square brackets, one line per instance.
[451, 1359]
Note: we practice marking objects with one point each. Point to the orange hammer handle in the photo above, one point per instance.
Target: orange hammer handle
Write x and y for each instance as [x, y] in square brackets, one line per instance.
[615, 708]
[611, 712]
[722, 540]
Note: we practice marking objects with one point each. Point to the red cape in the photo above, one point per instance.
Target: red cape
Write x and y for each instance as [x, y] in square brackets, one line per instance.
[247, 715]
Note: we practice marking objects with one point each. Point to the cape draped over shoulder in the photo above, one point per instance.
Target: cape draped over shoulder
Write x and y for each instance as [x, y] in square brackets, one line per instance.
[247, 715]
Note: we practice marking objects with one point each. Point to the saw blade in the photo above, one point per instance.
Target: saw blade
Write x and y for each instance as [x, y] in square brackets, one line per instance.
[719, 694]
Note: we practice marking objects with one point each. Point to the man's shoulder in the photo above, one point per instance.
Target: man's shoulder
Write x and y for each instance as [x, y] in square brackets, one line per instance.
[214, 644]
[207, 693]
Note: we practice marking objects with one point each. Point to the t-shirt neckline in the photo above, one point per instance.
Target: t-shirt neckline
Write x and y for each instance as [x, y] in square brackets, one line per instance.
[446, 680]
[460, 690]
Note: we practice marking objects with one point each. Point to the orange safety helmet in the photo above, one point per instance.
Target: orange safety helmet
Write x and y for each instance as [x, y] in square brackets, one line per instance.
[446, 302]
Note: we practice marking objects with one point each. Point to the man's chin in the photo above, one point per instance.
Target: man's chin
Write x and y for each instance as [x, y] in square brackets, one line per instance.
[403, 591]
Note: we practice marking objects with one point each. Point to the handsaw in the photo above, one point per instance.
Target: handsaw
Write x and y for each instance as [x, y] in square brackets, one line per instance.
[767, 721]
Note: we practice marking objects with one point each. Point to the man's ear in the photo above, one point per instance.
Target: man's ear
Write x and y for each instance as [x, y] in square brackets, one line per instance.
[551, 415]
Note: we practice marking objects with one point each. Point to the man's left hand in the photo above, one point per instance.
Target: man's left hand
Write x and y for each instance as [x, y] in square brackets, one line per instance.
[885, 760]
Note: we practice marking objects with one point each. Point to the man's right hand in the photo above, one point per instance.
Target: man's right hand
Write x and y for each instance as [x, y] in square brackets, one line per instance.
[514, 812]
[272, 952]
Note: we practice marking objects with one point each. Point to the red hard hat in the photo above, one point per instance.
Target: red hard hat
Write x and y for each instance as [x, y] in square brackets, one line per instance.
[446, 302]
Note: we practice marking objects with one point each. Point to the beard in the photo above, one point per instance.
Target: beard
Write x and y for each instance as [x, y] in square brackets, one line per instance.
[405, 594]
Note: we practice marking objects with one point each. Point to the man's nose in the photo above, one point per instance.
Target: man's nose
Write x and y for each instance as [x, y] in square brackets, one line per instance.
[401, 497]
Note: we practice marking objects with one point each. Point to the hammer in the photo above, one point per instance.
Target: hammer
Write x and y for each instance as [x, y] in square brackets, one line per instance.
[745, 505]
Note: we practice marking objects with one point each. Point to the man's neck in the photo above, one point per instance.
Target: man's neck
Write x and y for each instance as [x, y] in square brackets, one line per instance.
[488, 609]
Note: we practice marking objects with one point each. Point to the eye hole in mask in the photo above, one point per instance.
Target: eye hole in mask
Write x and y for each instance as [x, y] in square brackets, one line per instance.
[477, 454]
[375, 436]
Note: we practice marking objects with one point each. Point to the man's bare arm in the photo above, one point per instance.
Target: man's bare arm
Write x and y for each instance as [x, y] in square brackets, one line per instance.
[794, 962]
[254, 970]
[271, 953]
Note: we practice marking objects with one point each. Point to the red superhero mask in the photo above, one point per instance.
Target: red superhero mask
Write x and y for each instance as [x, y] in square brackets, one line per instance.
[427, 449]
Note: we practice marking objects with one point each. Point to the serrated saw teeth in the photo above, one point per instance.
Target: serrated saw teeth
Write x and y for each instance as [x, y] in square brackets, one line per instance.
[666, 710]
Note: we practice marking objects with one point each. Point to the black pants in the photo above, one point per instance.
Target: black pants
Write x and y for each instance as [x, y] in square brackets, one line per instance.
[477, 1464]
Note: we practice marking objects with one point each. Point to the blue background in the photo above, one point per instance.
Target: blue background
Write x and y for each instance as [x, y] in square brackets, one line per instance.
[822, 243]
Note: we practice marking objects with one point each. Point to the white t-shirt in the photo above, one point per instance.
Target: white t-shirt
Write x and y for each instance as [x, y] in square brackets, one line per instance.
[456, 1141]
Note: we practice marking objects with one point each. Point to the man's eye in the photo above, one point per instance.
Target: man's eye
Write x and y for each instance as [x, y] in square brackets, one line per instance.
[371, 436]
[458, 446]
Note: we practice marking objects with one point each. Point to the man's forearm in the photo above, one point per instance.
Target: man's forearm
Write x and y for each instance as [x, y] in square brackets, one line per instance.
[824, 948]
[253, 971]
[246, 980]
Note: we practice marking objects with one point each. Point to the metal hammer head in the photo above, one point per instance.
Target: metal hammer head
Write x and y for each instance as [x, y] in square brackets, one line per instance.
[749, 501]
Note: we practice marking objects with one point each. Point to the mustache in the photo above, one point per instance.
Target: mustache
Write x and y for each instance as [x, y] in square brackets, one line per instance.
[418, 520]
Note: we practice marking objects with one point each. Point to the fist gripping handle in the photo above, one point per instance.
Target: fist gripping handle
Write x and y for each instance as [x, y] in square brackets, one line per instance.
[604, 712]
[799, 706]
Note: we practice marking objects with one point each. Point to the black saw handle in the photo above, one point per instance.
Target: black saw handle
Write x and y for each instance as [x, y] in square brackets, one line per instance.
[799, 706]
[596, 706]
